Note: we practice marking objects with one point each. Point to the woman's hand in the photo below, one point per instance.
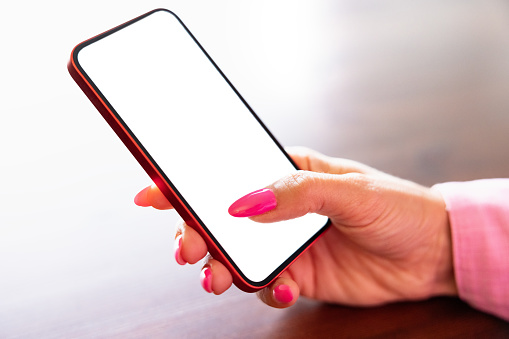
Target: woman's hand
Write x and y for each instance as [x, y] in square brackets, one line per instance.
[389, 239]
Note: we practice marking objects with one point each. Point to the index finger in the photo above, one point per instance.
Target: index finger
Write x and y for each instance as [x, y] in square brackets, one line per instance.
[310, 160]
[152, 196]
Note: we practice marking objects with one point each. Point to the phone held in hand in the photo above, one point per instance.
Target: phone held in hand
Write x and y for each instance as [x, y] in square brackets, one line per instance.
[196, 137]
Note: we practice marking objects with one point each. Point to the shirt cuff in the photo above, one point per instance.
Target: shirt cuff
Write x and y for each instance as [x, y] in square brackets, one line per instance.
[479, 218]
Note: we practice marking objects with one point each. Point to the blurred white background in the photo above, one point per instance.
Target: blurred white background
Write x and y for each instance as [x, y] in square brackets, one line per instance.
[67, 182]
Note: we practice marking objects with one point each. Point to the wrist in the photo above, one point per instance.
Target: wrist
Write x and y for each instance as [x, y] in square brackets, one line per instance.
[444, 279]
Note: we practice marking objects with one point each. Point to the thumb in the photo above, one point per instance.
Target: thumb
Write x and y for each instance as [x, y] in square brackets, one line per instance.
[338, 196]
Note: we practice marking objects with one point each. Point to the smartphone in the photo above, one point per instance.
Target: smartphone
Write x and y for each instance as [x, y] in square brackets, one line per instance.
[196, 137]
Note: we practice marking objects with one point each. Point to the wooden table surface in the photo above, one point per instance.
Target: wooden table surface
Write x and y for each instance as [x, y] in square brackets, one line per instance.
[419, 89]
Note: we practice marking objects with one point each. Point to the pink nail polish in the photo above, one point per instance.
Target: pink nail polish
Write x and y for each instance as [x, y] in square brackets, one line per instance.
[283, 294]
[178, 255]
[141, 198]
[206, 279]
[254, 203]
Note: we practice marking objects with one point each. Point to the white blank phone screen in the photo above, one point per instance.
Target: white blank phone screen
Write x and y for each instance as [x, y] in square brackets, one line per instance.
[200, 134]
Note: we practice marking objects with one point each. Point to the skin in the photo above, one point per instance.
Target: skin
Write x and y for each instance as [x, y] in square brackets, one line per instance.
[389, 240]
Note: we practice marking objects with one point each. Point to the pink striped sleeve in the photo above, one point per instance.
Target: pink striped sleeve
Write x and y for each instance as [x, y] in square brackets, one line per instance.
[479, 218]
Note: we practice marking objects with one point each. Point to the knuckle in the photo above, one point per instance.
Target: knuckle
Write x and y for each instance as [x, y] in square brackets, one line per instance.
[300, 181]
[304, 188]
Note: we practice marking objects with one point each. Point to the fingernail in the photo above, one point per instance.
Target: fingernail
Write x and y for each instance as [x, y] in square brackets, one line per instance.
[254, 203]
[178, 255]
[206, 279]
[141, 198]
[283, 294]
